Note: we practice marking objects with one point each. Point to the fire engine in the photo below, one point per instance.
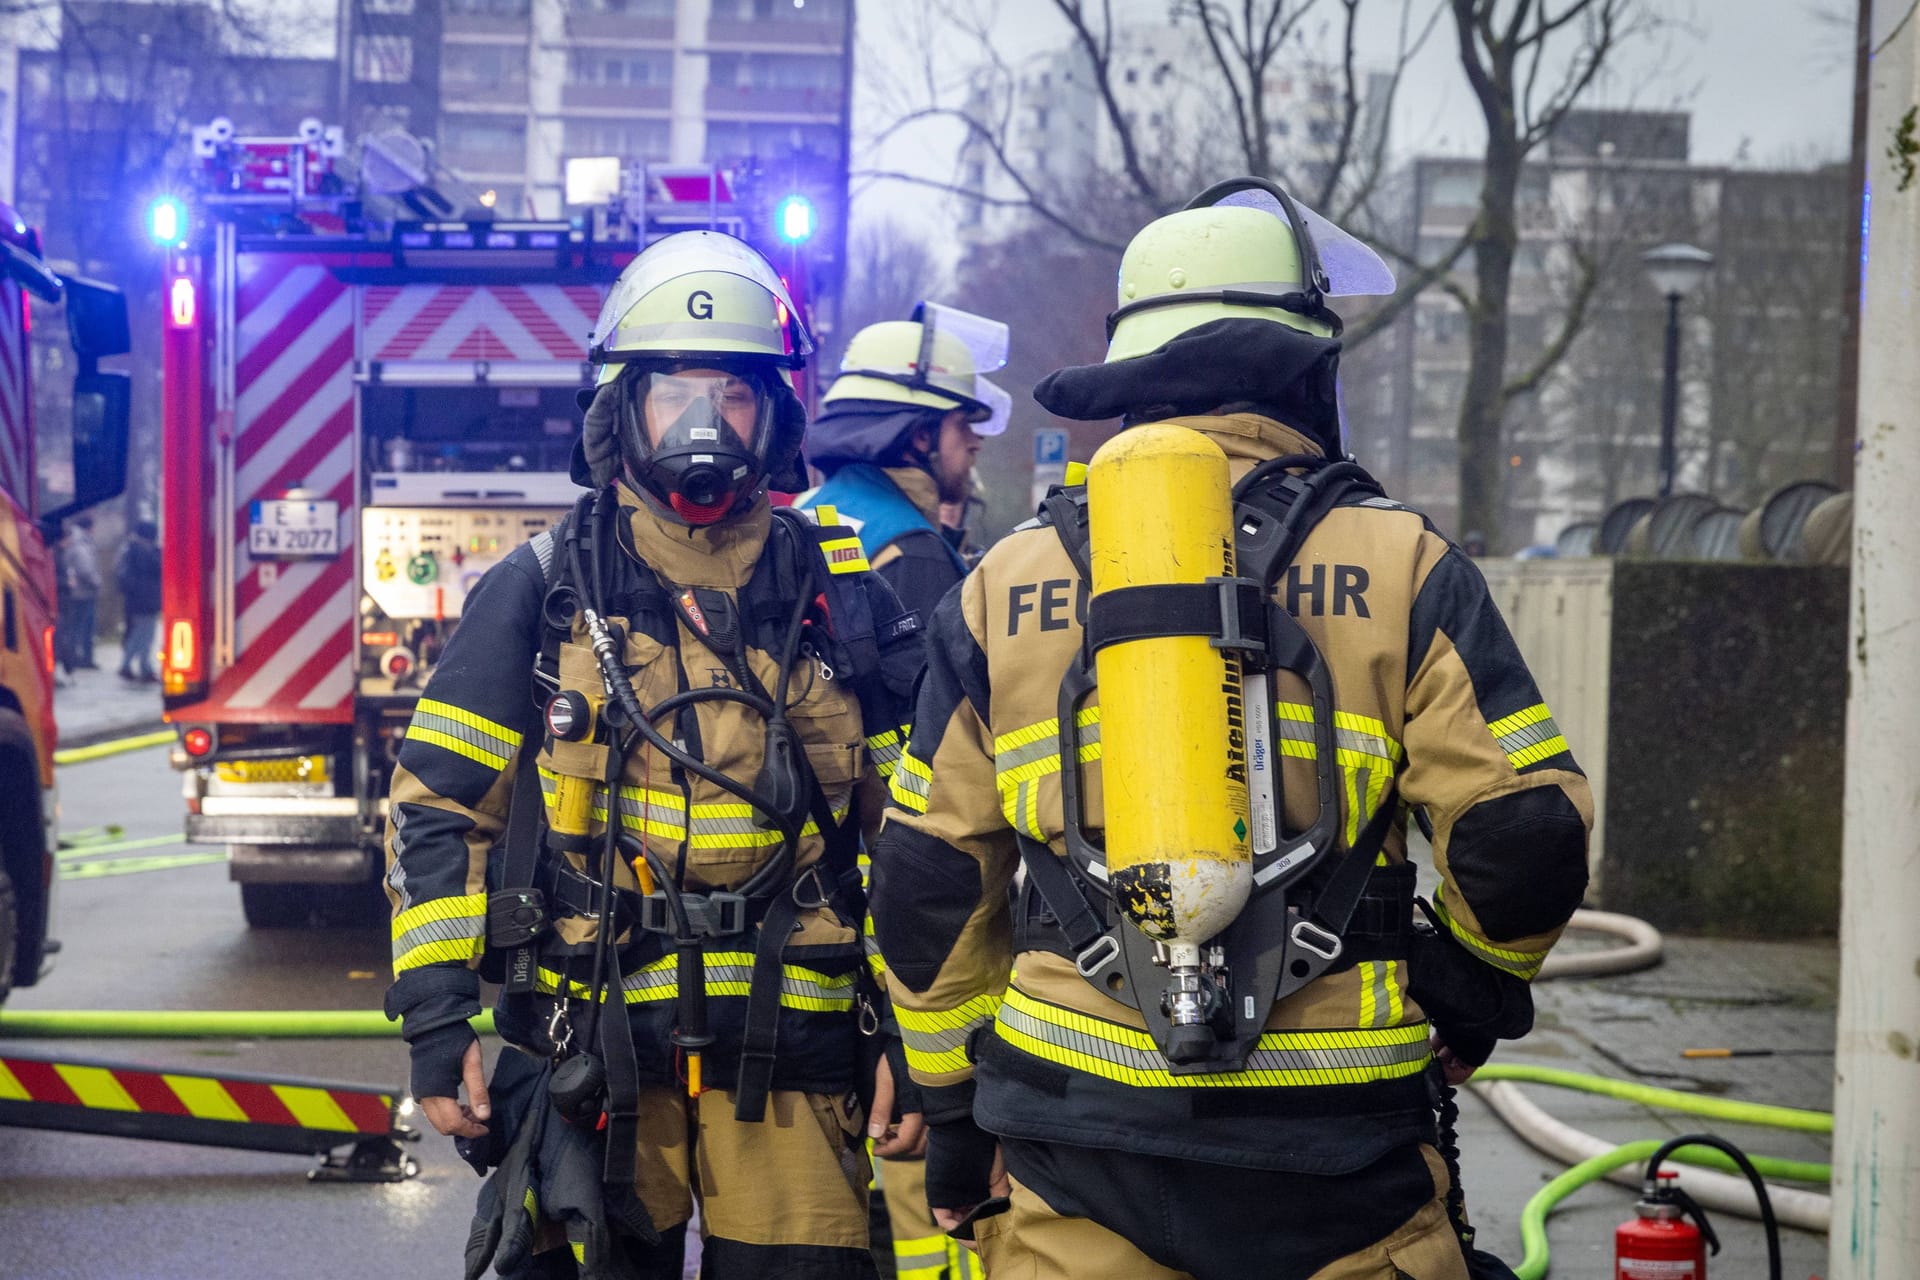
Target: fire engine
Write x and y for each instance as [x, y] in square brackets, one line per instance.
[97, 322]
[369, 402]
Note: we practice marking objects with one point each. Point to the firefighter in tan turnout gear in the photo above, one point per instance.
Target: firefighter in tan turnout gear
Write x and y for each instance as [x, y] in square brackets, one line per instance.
[1221, 1059]
[671, 713]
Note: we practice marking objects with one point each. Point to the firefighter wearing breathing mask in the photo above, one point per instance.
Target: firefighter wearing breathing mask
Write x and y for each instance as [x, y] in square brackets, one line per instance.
[1144, 890]
[633, 793]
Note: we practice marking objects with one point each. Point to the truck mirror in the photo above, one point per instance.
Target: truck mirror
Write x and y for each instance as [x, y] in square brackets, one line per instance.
[34, 275]
[97, 319]
[102, 407]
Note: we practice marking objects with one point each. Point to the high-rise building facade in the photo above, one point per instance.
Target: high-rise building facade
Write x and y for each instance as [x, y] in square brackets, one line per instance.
[510, 90]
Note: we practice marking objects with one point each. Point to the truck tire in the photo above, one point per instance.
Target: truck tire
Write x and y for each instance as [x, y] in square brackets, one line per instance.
[9, 933]
[276, 906]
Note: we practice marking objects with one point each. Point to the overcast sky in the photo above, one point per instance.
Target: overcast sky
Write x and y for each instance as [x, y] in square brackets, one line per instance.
[1768, 82]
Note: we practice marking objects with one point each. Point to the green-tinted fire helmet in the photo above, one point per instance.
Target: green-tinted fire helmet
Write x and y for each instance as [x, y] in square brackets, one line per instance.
[700, 333]
[1242, 249]
[938, 359]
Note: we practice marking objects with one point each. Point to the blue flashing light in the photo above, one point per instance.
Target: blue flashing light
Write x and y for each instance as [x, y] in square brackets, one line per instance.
[167, 222]
[793, 219]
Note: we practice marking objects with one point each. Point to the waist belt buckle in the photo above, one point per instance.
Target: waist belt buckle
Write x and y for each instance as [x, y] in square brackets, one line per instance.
[1310, 937]
[709, 915]
[1102, 952]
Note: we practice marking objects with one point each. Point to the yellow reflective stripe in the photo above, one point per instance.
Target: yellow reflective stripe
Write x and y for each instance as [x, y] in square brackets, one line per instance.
[313, 1108]
[1529, 736]
[435, 738]
[531, 1202]
[1279, 1059]
[728, 973]
[11, 1090]
[884, 750]
[579, 1248]
[911, 783]
[508, 737]
[467, 906]
[443, 929]
[936, 1039]
[920, 1258]
[1522, 964]
[1381, 1003]
[459, 951]
[1519, 720]
[95, 1087]
[205, 1099]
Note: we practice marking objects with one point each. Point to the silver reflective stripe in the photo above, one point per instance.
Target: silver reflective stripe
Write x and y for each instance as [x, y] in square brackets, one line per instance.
[1129, 1058]
[492, 743]
[457, 929]
[543, 552]
[945, 1040]
[1529, 735]
[690, 332]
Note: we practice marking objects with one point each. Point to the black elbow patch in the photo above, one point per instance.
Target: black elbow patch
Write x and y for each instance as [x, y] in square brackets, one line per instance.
[1521, 861]
[924, 892]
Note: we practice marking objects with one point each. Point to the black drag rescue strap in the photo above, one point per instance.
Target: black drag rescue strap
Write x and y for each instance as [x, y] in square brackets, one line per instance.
[516, 900]
[760, 1036]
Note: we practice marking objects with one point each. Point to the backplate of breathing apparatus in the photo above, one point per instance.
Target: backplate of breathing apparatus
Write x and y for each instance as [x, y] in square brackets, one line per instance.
[1282, 940]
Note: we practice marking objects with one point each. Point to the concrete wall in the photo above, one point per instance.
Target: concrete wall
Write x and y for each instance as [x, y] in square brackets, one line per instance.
[1707, 704]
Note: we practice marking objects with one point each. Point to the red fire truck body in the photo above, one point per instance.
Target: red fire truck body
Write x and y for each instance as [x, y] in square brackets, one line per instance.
[360, 418]
[28, 594]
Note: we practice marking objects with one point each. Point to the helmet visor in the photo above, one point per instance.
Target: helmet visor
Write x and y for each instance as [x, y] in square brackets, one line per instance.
[686, 254]
[999, 407]
[986, 340]
[1352, 269]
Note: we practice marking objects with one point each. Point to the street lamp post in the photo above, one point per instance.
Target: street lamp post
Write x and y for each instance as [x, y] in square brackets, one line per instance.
[1676, 271]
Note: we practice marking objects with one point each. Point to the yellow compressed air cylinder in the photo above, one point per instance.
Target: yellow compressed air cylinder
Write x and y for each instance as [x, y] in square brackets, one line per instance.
[572, 805]
[1172, 714]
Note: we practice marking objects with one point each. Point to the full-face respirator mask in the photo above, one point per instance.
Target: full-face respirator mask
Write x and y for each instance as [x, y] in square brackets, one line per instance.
[697, 442]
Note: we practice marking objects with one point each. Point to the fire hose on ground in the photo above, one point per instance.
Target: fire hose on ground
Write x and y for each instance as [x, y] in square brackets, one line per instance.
[1591, 1158]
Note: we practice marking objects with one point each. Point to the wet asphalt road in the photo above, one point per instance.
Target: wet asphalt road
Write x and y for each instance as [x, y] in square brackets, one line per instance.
[78, 1207]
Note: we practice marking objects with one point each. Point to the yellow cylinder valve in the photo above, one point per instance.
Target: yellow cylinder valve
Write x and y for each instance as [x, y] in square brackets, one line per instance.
[1172, 714]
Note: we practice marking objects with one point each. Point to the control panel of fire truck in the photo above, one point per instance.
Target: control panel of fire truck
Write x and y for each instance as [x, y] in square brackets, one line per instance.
[421, 562]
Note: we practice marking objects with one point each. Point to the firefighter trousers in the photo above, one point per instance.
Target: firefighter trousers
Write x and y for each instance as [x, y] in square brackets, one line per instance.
[921, 1250]
[785, 1199]
[1188, 1221]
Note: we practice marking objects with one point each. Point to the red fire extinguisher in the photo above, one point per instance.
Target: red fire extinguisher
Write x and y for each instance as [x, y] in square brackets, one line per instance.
[1669, 1237]
[1658, 1243]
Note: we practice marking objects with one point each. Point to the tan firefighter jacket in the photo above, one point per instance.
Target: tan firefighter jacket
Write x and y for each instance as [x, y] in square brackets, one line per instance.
[453, 781]
[1432, 698]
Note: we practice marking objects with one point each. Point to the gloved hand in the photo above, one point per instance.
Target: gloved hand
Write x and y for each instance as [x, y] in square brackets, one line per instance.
[960, 1164]
[552, 1171]
[1472, 1004]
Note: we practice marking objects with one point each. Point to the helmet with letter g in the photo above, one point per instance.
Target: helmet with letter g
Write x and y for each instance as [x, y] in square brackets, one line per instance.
[900, 379]
[694, 401]
[1225, 301]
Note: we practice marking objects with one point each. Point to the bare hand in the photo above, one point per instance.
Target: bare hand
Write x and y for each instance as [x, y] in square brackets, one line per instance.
[998, 1184]
[906, 1140]
[1456, 1071]
[454, 1118]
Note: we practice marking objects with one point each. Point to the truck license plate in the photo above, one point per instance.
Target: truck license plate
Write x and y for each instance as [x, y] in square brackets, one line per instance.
[293, 527]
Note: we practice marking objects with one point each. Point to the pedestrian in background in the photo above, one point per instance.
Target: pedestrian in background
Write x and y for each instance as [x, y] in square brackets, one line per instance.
[137, 573]
[77, 570]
